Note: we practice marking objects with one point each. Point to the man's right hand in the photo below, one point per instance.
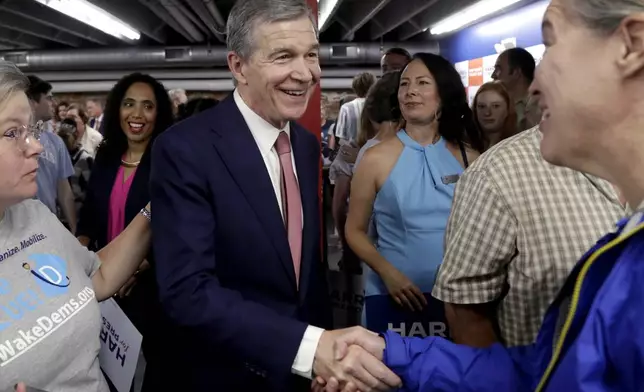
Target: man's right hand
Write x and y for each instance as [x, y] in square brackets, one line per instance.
[357, 366]
[368, 340]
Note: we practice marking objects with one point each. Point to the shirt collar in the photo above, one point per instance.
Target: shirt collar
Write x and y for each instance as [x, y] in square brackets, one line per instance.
[263, 132]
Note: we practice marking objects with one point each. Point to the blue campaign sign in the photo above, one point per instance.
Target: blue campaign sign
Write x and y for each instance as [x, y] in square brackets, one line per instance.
[383, 314]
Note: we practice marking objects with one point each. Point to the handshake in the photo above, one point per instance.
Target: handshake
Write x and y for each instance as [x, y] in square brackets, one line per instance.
[350, 360]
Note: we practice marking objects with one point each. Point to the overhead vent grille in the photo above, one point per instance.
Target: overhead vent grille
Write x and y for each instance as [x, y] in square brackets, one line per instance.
[178, 54]
[20, 59]
[345, 51]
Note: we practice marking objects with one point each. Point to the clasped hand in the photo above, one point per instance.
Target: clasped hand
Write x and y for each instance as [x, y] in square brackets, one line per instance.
[350, 360]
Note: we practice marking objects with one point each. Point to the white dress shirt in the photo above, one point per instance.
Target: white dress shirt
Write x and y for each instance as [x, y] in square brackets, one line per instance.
[90, 140]
[265, 136]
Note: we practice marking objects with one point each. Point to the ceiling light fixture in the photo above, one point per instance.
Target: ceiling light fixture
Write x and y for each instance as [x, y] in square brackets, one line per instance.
[325, 10]
[469, 15]
[91, 15]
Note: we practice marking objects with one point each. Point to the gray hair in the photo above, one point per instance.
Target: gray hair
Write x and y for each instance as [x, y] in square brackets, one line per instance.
[247, 14]
[605, 16]
[12, 80]
[174, 93]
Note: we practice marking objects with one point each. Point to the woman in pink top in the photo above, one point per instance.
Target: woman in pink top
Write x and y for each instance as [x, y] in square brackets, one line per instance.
[138, 109]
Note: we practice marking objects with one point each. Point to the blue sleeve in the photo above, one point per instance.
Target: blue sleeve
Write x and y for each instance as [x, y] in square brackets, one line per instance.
[437, 365]
[65, 168]
[620, 325]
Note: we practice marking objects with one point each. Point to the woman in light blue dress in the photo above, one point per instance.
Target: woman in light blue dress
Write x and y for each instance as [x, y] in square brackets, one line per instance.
[407, 183]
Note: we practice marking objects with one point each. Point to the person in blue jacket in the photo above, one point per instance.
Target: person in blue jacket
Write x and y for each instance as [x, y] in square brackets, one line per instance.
[590, 84]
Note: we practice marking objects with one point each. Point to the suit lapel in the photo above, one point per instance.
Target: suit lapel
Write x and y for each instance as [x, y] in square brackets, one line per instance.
[307, 179]
[244, 161]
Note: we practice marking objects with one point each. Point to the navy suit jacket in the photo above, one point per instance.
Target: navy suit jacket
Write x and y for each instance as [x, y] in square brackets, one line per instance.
[224, 267]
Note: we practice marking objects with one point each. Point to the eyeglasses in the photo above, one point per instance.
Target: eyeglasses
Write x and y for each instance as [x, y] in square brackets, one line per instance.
[24, 135]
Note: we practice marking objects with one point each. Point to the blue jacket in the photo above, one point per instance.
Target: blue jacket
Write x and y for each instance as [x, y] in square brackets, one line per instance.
[592, 337]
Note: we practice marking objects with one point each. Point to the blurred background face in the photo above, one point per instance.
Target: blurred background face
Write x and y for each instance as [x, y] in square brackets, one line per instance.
[281, 75]
[68, 131]
[574, 82]
[491, 111]
[392, 62]
[44, 109]
[18, 156]
[418, 94]
[62, 111]
[138, 112]
[80, 125]
[503, 73]
[181, 98]
[92, 108]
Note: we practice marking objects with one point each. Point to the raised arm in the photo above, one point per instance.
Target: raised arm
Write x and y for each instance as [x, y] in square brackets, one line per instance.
[122, 257]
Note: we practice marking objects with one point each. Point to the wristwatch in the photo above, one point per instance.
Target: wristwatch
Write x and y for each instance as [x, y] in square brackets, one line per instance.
[146, 213]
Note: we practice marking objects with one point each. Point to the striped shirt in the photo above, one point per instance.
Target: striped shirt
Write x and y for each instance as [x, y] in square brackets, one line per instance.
[348, 122]
[517, 228]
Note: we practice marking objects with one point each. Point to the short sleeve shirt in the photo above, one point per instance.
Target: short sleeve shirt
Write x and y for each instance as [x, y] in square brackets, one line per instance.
[54, 165]
[49, 317]
[521, 224]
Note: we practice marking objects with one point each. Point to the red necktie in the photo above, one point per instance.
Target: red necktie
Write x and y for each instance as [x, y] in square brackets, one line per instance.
[291, 201]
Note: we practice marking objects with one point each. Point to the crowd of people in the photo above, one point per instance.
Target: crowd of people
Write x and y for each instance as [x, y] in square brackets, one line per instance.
[482, 229]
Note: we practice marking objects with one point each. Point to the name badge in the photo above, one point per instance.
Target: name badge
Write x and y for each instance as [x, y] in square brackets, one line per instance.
[452, 178]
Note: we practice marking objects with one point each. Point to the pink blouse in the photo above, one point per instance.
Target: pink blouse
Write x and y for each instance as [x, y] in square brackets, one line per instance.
[118, 197]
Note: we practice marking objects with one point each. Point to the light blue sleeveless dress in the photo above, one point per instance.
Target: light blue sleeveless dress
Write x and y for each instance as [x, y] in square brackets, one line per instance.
[410, 213]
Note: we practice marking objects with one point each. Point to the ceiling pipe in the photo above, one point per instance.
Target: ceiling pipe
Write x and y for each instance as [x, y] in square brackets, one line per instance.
[197, 22]
[206, 17]
[183, 21]
[182, 74]
[163, 14]
[104, 86]
[188, 56]
[214, 11]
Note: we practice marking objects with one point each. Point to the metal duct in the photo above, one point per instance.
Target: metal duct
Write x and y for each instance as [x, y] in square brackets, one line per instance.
[187, 56]
[181, 74]
[103, 86]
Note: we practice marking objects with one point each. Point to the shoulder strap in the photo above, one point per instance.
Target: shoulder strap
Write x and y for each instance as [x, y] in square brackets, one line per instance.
[463, 154]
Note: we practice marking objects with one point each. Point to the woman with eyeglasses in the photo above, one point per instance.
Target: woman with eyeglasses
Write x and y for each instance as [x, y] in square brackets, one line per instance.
[50, 284]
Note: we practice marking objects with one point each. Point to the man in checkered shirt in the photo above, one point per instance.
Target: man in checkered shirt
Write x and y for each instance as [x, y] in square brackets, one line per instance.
[517, 228]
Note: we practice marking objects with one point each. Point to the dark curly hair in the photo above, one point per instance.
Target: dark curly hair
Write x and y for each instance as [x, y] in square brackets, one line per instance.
[114, 143]
[456, 121]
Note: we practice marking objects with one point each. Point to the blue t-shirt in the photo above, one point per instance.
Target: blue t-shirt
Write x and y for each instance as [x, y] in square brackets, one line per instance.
[54, 164]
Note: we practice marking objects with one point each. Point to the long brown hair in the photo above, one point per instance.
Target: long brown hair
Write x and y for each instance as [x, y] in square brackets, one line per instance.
[381, 105]
[510, 125]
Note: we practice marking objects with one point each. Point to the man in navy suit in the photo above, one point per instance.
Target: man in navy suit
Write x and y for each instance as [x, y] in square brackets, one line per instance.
[237, 226]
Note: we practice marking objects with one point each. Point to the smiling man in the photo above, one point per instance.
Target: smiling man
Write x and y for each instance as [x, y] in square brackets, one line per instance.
[237, 226]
